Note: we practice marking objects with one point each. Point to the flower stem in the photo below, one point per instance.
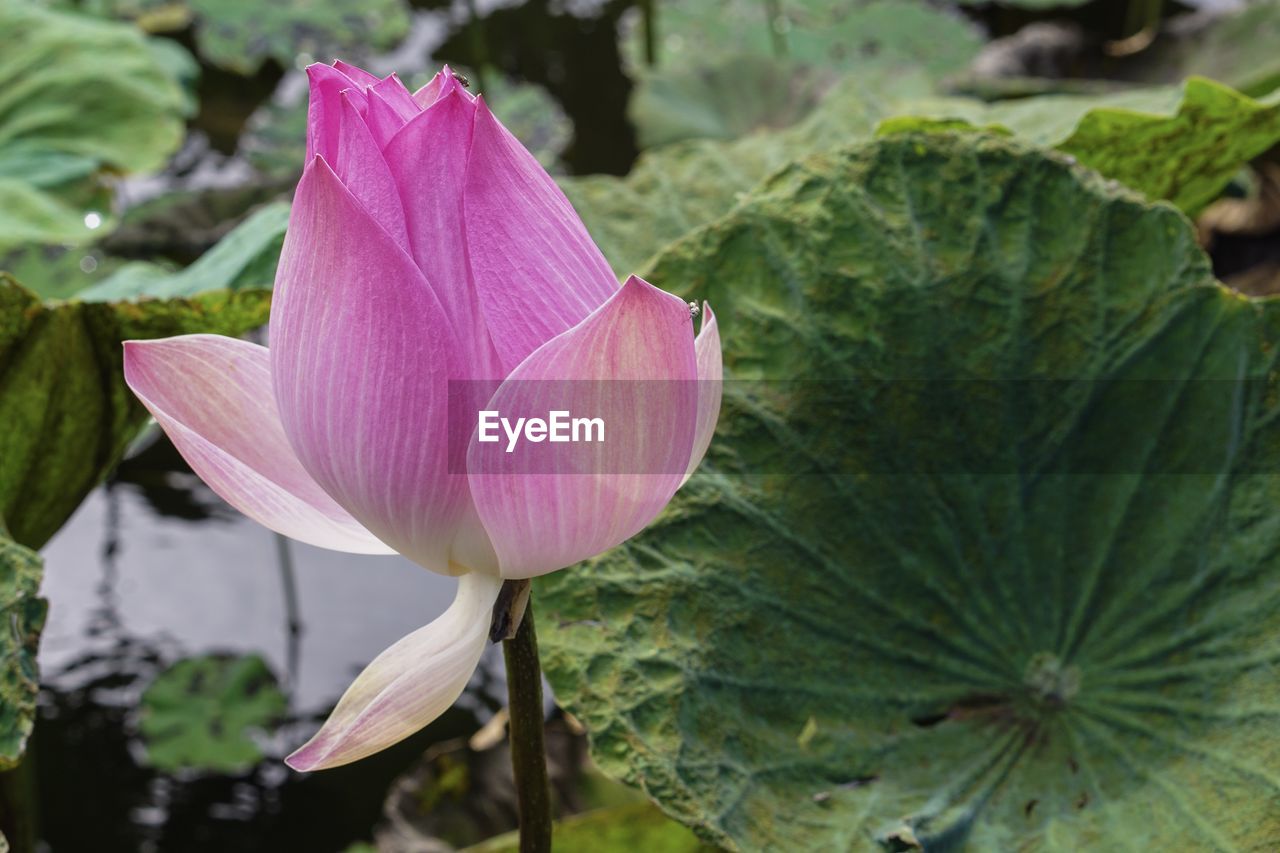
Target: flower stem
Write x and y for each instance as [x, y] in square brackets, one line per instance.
[528, 748]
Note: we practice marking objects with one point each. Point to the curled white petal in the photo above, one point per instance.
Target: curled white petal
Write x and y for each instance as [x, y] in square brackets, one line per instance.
[408, 685]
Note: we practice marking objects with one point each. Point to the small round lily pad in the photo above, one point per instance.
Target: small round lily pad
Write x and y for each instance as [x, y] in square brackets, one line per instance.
[206, 713]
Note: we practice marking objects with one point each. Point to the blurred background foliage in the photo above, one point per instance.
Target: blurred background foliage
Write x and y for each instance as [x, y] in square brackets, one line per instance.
[147, 153]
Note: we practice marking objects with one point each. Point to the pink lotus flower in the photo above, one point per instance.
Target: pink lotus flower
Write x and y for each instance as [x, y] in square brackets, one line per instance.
[428, 255]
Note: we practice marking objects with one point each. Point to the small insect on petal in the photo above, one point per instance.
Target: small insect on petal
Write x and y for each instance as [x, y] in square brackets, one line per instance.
[694, 310]
[462, 81]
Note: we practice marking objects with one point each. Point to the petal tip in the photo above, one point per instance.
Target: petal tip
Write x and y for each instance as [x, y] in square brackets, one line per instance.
[303, 759]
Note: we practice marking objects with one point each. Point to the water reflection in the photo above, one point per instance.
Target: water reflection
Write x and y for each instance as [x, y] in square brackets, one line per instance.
[153, 568]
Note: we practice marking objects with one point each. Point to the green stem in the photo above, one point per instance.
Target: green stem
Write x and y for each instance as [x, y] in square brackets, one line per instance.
[479, 46]
[528, 748]
[1143, 15]
[773, 12]
[18, 804]
[649, 28]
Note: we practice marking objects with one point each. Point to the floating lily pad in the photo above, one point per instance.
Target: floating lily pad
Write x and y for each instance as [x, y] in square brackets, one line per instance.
[240, 35]
[66, 415]
[1182, 145]
[620, 829]
[1026, 4]
[1000, 572]
[725, 69]
[842, 34]
[208, 713]
[706, 100]
[22, 614]
[67, 117]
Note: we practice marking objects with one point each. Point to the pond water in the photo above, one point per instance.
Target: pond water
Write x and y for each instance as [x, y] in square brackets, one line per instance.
[154, 567]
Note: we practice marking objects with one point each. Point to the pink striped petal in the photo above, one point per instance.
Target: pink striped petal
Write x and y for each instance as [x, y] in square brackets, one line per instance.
[439, 86]
[383, 119]
[391, 90]
[424, 157]
[408, 685]
[361, 354]
[324, 109]
[364, 171]
[428, 94]
[357, 75]
[535, 268]
[212, 397]
[710, 386]
[631, 364]
[436, 88]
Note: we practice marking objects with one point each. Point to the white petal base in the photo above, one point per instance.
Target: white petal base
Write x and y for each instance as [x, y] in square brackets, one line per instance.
[409, 684]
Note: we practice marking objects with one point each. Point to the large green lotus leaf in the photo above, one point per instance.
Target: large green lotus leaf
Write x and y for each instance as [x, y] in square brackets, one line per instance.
[65, 412]
[22, 614]
[60, 271]
[245, 258]
[67, 116]
[678, 187]
[203, 713]
[999, 572]
[240, 35]
[1181, 145]
[31, 214]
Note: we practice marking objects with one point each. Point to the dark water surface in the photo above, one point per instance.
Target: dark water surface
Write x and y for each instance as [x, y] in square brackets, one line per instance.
[154, 567]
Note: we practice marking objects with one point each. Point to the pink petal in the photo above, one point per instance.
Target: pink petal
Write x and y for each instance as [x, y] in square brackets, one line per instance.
[397, 97]
[535, 268]
[212, 396]
[440, 85]
[357, 75]
[408, 685]
[324, 110]
[364, 172]
[389, 106]
[361, 354]
[631, 364]
[430, 93]
[426, 157]
[710, 386]
[382, 119]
